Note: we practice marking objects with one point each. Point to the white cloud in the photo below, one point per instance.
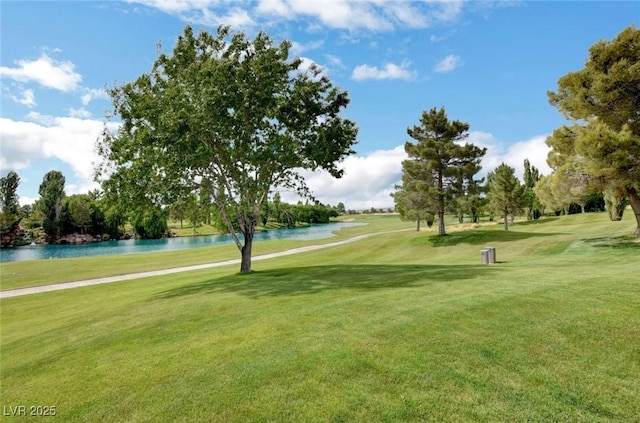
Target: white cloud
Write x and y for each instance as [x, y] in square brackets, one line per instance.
[91, 94]
[371, 15]
[368, 181]
[176, 6]
[273, 7]
[299, 48]
[28, 98]
[69, 139]
[45, 71]
[335, 61]
[534, 149]
[235, 17]
[406, 14]
[388, 71]
[448, 64]
[81, 113]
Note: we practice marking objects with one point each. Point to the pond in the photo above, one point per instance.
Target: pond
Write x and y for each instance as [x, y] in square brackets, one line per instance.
[131, 246]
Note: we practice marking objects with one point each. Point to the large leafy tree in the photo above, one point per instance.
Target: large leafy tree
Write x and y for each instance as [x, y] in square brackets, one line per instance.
[439, 155]
[52, 195]
[602, 101]
[79, 206]
[228, 112]
[504, 192]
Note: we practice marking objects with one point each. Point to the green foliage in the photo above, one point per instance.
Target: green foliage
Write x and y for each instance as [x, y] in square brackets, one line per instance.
[10, 215]
[150, 223]
[439, 170]
[411, 203]
[602, 100]
[615, 203]
[233, 114]
[51, 200]
[80, 210]
[529, 198]
[8, 193]
[114, 220]
[177, 211]
[504, 192]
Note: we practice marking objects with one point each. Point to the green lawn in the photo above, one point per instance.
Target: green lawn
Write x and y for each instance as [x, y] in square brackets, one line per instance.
[41, 272]
[398, 327]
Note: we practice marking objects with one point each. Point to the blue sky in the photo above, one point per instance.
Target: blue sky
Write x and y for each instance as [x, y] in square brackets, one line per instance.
[490, 63]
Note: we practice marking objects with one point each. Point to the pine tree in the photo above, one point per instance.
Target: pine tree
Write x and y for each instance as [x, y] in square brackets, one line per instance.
[441, 160]
[504, 192]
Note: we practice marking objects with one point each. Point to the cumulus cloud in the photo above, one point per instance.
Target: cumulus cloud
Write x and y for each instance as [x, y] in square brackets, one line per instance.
[91, 94]
[388, 71]
[368, 181]
[28, 99]
[69, 139]
[45, 71]
[372, 15]
[235, 17]
[448, 64]
[176, 6]
[534, 149]
[81, 113]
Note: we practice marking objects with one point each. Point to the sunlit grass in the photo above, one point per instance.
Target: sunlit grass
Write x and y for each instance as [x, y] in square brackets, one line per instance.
[405, 326]
[40, 272]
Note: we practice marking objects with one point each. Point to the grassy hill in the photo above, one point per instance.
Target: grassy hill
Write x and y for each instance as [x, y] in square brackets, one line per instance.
[403, 326]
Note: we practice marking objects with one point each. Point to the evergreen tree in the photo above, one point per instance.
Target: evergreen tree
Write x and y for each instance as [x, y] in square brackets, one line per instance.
[504, 192]
[529, 198]
[602, 101]
[438, 155]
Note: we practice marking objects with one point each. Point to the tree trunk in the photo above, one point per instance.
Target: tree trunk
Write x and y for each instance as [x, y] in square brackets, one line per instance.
[245, 264]
[635, 207]
[441, 230]
[506, 221]
[418, 226]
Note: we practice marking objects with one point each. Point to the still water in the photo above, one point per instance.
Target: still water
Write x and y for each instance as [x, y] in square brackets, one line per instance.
[37, 252]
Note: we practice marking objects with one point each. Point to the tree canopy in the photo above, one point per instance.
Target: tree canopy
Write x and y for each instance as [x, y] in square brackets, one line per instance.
[9, 204]
[439, 167]
[51, 194]
[603, 101]
[224, 111]
[504, 192]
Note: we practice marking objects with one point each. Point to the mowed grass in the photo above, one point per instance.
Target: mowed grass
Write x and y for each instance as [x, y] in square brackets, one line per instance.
[404, 326]
[41, 272]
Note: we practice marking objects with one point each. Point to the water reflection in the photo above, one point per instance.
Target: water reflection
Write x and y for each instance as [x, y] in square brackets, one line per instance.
[37, 252]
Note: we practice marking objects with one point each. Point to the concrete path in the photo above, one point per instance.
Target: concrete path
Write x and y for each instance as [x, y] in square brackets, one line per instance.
[68, 285]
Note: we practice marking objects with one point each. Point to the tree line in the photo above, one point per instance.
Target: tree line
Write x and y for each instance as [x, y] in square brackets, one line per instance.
[595, 160]
[92, 214]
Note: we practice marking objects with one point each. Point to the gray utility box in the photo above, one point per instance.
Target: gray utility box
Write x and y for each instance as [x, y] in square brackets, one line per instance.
[488, 255]
[484, 256]
[492, 254]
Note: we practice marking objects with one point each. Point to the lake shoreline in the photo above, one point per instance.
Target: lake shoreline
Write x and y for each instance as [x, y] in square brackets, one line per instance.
[132, 246]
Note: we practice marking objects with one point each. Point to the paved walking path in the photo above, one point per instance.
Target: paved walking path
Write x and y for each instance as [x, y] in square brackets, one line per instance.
[68, 285]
